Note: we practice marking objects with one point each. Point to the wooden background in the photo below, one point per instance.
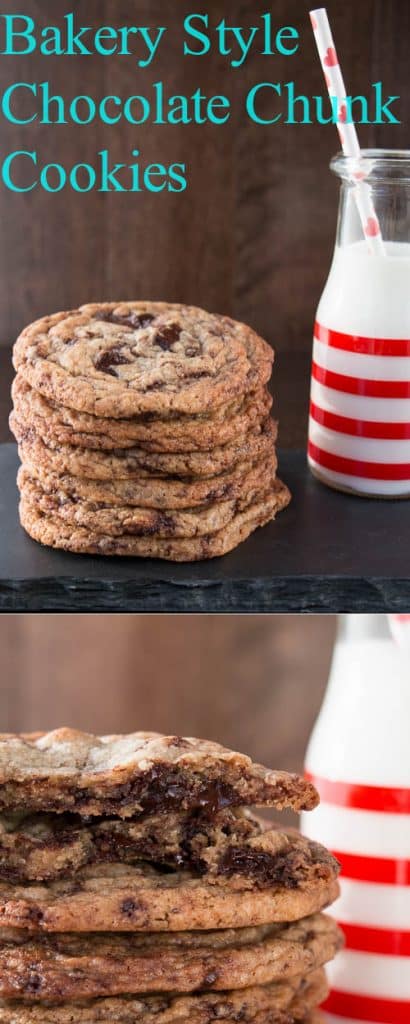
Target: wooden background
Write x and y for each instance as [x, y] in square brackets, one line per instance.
[252, 682]
[253, 234]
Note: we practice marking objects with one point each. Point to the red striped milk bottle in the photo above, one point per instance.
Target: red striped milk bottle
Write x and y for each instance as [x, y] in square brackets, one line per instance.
[359, 759]
[359, 423]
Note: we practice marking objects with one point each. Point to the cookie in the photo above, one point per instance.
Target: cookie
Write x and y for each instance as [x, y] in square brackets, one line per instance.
[156, 493]
[135, 462]
[142, 772]
[230, 425]
[231, 848]
[121, 360]
[42, 847]
[115, 520]
[144, 489]
[119, 897]
[212, 545]
[68, 966]
[281, 1003]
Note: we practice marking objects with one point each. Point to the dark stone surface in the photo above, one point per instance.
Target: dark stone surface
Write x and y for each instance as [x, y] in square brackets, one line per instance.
[328, 552]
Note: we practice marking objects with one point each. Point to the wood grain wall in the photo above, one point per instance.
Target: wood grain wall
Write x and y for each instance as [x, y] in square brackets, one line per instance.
[252, 236]
[252, 682]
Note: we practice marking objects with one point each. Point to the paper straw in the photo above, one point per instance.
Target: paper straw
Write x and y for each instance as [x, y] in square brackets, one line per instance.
[347, 131]
[400, 628]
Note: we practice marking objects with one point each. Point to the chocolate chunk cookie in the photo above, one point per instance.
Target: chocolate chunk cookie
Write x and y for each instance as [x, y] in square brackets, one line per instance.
[143, 772]
[117, 521]
[135, 462]
[141, 405]
[230, 425]
[119, 897]
[67, 966]
[285, 1002]
[42, 847]
[156, 492]
[231, 848]
[121, 360]
[212, 545]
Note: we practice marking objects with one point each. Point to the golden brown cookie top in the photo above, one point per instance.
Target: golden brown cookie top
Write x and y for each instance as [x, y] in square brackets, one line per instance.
[120, 360]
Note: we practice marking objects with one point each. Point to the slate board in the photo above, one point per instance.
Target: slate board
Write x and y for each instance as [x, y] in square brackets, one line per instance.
[328, 552]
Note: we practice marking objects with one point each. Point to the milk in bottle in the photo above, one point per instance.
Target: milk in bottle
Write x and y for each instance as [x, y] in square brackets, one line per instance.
[359, 759]
[359, 425]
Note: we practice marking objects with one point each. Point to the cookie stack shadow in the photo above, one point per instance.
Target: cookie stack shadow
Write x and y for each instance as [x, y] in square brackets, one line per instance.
[137, 887]
[144, 429]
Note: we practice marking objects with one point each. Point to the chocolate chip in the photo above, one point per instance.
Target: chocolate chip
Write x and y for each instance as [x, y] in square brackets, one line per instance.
[165, 522]
[214, 796]
[131, 319]
[107, 360]
[167, 336]
[136, 320]
[34, 914]
[265, 868]
[129, 907]
[34, 983]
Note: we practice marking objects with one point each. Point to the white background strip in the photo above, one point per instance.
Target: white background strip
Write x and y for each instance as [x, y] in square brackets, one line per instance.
[371, 975]
[363, 832]
[369, 449]
[355, 365]
[379, 410]
[379, 906]
[367, 486]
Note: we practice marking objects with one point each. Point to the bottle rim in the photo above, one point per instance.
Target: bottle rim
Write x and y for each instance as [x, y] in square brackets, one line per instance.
[380, 166]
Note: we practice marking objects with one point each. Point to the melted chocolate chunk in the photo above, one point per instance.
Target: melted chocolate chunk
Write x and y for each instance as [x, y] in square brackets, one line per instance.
[130, 319]
[107, 360]
[214, 796]
[167, 336]
[264, 868]
[167, 787]
[164, 786]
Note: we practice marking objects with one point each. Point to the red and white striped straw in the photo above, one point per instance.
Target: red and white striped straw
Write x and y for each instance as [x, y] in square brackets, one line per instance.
[345, 126]
[400, 628]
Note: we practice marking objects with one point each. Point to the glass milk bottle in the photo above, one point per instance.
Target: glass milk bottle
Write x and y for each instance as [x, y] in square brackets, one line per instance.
[359, 424]
[359, 759]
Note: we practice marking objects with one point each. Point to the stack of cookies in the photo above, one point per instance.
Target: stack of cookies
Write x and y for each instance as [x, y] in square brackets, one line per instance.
[144, 429]
[136, 887]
